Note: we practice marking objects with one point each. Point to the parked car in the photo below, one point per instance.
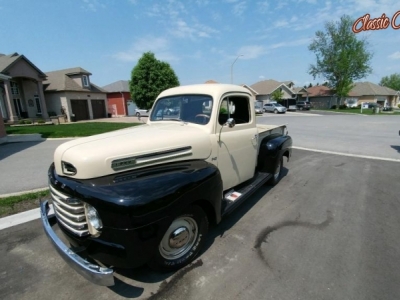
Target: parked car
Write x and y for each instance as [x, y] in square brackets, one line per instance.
[292, 108]
[275, 108]
[303, 105]
[258, 109]
[171, 111]
[142, 112]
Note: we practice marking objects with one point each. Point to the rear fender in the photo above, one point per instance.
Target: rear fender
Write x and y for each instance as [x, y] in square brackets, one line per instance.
[272, 148]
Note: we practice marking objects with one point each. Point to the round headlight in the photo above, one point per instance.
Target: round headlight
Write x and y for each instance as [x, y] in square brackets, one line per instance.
[94, 222]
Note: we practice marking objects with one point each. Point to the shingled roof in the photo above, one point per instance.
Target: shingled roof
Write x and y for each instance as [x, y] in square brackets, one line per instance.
[116, 87]
[61, 81]
[7, 61]
[319, 90]
[266, 87]
[369, 88]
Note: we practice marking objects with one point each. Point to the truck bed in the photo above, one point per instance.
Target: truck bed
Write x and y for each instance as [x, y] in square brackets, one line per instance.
[265, 130]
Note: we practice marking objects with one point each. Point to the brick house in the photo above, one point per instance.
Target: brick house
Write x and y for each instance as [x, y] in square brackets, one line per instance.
[119, 100]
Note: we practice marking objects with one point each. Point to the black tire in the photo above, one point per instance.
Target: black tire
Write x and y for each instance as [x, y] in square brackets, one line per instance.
[278, 174]
[275, 111]
[191, 229]
[137, 114]
[301, 108]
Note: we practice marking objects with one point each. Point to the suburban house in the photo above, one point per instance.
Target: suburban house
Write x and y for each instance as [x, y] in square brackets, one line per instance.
[323, 97]
[119, 100]
[21, 89]
[371, 92]
[263, 91]
[70, 92]
[319, 96]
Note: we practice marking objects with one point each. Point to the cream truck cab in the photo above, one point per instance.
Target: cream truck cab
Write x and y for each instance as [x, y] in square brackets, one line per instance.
[148, 194]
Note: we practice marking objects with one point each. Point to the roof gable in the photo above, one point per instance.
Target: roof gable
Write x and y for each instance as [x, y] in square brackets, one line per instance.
[61, 81]
[319, 90]
[8, 61]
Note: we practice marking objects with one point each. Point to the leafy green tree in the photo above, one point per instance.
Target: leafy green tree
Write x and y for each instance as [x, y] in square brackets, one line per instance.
[341, 57]
[277, 95]
[310, 85]
[149, 78]
[391, 81]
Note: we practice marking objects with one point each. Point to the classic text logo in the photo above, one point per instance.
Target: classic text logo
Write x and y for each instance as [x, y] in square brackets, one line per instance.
[364, 23]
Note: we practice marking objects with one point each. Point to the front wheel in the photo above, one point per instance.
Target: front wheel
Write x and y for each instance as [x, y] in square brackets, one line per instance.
[182, 241]
[275, 111]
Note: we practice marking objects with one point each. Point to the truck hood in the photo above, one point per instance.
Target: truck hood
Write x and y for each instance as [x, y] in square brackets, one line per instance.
[132, 148]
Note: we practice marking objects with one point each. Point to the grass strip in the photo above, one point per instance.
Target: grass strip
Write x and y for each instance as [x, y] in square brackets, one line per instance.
[15, 204]
[69, 130]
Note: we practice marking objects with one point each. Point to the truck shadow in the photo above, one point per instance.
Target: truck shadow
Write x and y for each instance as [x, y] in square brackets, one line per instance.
[9, 149]
[397, 148]
[169, 279]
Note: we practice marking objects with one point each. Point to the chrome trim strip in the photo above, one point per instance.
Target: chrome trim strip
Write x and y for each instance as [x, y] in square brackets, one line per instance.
[71, 216]
[94, 273]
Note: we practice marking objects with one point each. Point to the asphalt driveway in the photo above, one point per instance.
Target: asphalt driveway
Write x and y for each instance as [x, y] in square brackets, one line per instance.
[328, 230]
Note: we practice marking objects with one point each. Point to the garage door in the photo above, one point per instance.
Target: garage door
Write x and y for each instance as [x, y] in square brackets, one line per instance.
[80, 109]
[99, 109]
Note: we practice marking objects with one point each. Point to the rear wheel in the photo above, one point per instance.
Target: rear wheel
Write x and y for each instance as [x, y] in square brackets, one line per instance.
[301, 108]
[137, 114]
[277, 174]
[182, 241]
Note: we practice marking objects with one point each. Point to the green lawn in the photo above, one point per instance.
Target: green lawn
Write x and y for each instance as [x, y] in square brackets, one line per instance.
[365, 111]
[16, 204]
[69, 130]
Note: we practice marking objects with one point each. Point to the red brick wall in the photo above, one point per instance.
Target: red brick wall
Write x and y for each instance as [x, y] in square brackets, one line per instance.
[119, 101]
[2, 128]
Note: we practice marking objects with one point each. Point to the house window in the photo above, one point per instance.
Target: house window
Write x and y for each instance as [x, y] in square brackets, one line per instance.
[14, 88]
[85, 80]
[37, 101]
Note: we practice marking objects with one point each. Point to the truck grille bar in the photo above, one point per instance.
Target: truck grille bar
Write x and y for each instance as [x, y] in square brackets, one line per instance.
[70, 212]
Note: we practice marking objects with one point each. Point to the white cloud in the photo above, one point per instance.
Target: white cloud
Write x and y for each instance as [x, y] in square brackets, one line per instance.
[182, 30]
[159, 46]
[261, 77]
[395, 55]
[92, 5]
[252, 51]
[239, 8]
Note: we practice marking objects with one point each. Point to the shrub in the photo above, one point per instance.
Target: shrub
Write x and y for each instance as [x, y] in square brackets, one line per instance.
[52, 114]
[342, 106]
[333, 107]
[21, 122]
[398, 105]
[40, 121]
[27, 121]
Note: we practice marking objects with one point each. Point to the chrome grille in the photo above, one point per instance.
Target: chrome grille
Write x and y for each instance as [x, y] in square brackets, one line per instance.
[70, 212]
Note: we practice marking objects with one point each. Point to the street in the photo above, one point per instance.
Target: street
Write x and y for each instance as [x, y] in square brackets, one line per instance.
[328, 230]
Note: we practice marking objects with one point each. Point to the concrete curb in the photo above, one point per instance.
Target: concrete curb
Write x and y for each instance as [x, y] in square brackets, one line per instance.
[24, 192]
[17, 138]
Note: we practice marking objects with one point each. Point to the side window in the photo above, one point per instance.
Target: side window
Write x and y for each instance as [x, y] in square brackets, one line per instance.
[237, 107]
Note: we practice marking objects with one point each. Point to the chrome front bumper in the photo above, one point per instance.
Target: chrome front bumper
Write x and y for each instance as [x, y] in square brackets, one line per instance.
[92, 272]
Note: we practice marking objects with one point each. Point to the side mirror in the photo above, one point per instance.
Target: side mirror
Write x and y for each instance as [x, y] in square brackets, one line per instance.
[230, 122]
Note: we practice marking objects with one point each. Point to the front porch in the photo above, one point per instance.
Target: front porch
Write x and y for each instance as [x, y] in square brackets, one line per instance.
[21, 90]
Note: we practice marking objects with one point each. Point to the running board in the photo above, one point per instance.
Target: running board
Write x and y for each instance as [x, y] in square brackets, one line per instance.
[236, 196]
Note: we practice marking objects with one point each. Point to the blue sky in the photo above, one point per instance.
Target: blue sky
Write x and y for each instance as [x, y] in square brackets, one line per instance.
[200, 39]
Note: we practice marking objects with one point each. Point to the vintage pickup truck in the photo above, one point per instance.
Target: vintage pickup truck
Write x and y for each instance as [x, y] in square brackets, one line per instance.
[147, 194]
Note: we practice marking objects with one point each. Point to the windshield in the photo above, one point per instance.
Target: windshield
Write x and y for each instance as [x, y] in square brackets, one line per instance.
[278, 105]
[187, 108]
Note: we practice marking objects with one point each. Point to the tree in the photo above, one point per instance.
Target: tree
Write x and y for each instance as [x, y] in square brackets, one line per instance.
[149, 78]
[310, 85]
[341, 57]
[392, 81]
[277, 95]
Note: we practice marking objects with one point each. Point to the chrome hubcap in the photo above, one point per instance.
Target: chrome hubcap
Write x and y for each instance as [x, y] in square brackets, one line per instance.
[277, 171]
[179, 238]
